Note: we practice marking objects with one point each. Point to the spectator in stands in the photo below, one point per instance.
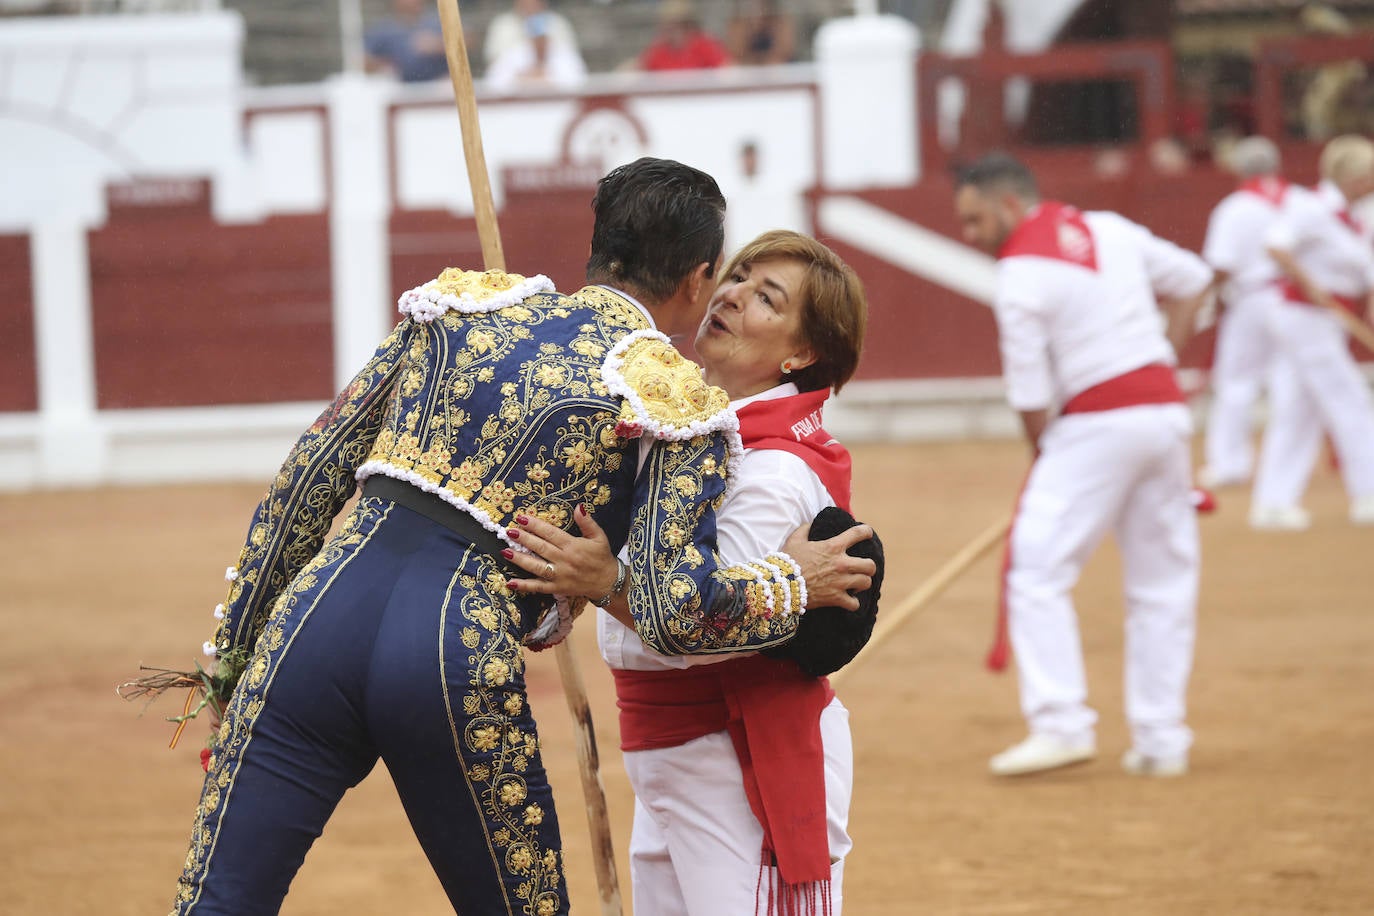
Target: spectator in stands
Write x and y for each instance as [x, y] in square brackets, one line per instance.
[681, 43]
[538, 61]
[409, 45]
[1193, 115]
[511, 29]
[760, 33]
[1330, 103]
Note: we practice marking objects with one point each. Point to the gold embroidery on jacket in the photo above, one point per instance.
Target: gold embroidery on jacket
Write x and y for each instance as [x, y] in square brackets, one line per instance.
[313, 484]
[550, 440]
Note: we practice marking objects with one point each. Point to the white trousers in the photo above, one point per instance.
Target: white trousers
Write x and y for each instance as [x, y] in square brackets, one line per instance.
[696, 846]
[1244, 355]
[1127, 471]
[1317, 387]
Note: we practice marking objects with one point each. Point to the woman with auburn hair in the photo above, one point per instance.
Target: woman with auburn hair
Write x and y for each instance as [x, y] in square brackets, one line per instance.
[742, 763]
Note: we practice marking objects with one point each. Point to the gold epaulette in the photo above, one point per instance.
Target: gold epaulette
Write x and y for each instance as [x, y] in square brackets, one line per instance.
[664, 393]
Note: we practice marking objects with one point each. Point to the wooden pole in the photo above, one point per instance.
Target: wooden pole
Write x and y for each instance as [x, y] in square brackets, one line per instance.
[593, 791]
[891, 621]
[598, 819]
[1355, 327]
[455, 48]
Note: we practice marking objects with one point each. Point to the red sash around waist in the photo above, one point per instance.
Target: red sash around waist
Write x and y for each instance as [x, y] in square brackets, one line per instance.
[1153, 384]
[1292, 293]
[772, 711]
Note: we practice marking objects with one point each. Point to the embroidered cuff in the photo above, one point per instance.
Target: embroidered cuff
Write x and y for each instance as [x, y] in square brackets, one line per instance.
[791, 575]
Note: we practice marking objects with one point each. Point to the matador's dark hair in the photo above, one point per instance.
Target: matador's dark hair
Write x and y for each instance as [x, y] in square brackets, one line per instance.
[656, 220]
[999, 172]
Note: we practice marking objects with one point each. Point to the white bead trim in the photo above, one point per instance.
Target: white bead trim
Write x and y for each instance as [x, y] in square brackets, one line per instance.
[424, 303]
[766, 586]
[801, 581]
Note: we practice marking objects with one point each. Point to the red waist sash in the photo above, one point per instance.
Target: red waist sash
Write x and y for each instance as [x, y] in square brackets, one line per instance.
[1153, 384]
[1292, 293]
[772, 711]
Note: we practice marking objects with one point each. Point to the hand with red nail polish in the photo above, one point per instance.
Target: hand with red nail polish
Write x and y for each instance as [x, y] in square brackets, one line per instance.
[561, 563]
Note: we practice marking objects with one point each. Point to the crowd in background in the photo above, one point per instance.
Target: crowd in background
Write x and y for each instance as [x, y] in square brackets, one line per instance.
[530, 45]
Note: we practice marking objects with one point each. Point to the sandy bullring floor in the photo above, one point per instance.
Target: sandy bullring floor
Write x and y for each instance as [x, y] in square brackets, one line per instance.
[1274, 819]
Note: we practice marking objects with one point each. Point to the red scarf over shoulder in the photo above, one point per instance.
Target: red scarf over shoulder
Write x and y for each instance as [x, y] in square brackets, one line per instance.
[793, 424]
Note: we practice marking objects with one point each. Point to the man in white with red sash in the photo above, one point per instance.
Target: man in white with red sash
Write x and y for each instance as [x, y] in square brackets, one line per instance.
[1080, 330]
[1326, 260]
[1244, 273]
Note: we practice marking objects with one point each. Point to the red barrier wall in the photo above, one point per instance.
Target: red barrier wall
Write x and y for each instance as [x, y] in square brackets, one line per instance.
[187, 311]
[18, 378]
[541, 233]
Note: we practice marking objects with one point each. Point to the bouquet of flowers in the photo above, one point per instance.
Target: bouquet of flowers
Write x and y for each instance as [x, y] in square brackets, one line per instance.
[205, 689]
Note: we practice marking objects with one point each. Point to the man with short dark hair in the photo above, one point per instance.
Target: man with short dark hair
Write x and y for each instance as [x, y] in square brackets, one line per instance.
[1091, 374]
[400, 638]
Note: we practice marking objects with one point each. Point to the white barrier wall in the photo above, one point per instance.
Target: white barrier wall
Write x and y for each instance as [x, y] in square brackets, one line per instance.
[85, 102]
[91, 100]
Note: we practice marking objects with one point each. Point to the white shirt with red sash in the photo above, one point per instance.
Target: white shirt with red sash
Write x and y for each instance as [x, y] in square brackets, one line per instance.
[1244, 352]
[1318, 229]
[772, 494]
[1076, 302]
[1080, 329]
[1320, 387]
[1236, 234]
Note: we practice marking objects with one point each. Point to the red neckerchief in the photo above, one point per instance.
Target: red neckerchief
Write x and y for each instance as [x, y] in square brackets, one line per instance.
[1343, 214]
[1269, 187]
[1053, 230]
[793, 424]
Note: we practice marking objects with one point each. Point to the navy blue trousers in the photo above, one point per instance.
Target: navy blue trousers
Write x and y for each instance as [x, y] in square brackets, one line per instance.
[396, 642]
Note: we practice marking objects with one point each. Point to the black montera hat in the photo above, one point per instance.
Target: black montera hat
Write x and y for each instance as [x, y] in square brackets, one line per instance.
[828, 638]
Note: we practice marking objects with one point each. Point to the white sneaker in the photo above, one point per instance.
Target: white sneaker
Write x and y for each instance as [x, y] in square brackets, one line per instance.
[1362, 510]
[1212, 479]
[1040, 752]
[1138, 764]
[1280, 518]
